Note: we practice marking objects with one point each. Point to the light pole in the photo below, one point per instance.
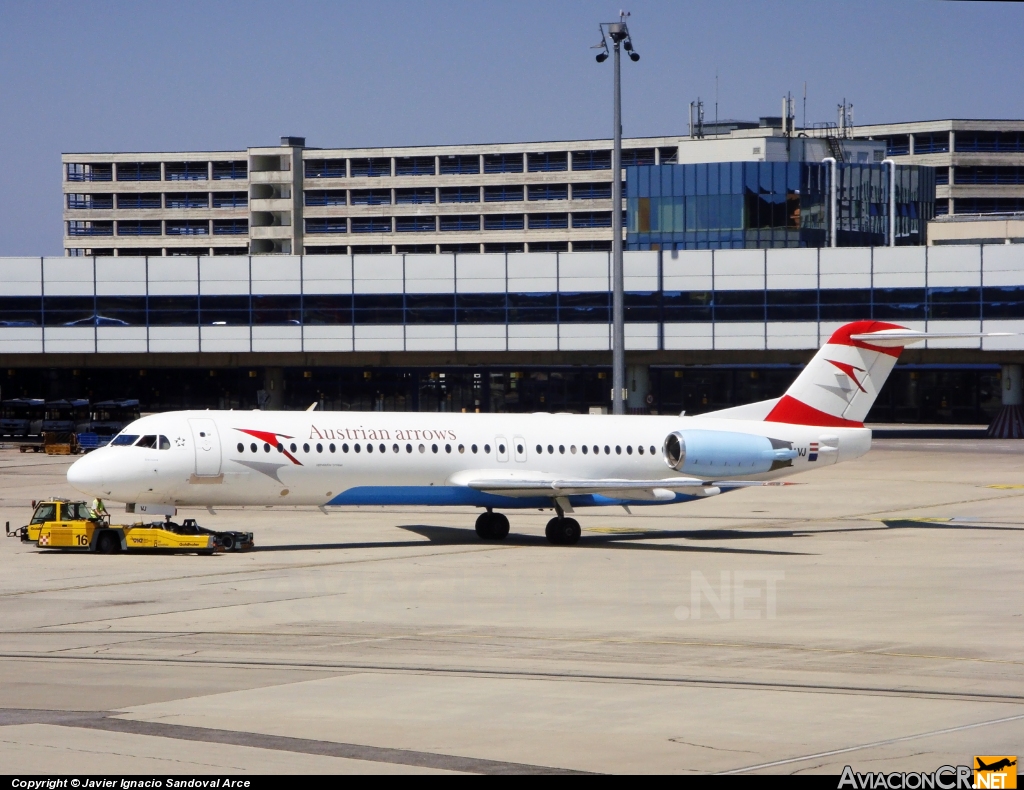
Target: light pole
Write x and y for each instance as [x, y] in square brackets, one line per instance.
[619, 34]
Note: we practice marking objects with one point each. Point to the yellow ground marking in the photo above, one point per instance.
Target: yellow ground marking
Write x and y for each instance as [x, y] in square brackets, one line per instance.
[1005, 487]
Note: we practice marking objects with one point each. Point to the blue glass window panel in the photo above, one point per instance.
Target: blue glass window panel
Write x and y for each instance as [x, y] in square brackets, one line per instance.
[584, 307]
[792, 305]
[224, 310]
[702, 180]
[173, 310]
[480, 308]
[532, 308]
[687, 305]
[377, 308]
[690, 180]
[661, 181]
[644, 181]
[277, 309]
[642, 306]
[327, 309]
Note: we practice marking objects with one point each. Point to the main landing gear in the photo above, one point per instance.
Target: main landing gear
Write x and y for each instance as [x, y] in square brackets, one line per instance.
[492, 526]
[562, 531]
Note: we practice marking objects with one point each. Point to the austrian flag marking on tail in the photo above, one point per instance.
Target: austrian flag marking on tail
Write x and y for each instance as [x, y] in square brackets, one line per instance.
[812, 453]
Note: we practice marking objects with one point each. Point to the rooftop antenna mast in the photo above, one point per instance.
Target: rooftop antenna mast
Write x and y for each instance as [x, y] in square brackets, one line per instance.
[716, 102]
[805, 105]
[697, 125]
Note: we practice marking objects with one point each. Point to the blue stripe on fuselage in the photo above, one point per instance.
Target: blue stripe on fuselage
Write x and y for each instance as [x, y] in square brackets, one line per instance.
[461, 495]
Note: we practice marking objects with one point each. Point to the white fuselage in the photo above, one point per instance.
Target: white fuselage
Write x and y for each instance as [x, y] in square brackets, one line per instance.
[208, 458]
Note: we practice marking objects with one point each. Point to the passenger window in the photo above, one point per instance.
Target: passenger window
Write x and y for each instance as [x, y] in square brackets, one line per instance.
[165, 443]
[369, 448]
[572, 449]
[252, 447]
[148, 441]
[487, 449]
[331, 447]
[607, 450]
[561, 449]
[266, 447]
[305, 448]
[640, 449]
[319, 448]
[344, 448]
[433, 447]
[356, 447]
[597, 450]
[408, 448]
[584, 448]
[45, 512]
[382, 448]
[539, 450]
[241, 447]
[551, 449]
[423, 449]
[629, 449]
[652, 449]
[293, 448]
[394, 448]
[462, 448]
[618, 450]
[473, 448]
[447, 448]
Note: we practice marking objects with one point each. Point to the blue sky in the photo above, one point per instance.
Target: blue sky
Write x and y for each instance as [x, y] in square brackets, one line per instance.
[113, 76]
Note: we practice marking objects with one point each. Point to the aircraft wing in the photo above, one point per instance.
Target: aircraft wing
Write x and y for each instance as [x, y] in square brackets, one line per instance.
[609, 487]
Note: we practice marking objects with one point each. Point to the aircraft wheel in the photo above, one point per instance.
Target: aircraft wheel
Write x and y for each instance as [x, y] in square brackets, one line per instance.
[499, 526]
[563, 531]
[492, 526]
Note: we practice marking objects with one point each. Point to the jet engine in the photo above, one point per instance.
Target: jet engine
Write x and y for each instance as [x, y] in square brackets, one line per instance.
[725, 453]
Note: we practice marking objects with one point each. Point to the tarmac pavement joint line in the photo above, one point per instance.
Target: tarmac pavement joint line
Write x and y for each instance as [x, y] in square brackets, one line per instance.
[567, 676]
[872, 745]
[453, 636]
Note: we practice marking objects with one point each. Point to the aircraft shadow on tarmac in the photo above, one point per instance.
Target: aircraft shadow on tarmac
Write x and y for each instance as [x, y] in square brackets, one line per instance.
[460, 536]
[638, 540]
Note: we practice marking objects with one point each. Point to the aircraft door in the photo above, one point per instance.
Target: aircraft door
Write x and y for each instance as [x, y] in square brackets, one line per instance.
[519, 444]
[207, 444]
[501, 448]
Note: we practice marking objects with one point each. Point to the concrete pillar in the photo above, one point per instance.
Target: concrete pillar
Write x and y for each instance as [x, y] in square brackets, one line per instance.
[1009, 422]
[272, 397]
[638, 386]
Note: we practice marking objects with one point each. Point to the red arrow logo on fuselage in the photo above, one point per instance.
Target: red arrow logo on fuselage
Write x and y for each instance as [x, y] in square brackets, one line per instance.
[273, 440]
[849, 370]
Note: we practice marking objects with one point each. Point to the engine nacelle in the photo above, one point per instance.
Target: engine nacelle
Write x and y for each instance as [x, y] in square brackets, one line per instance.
[725, 453]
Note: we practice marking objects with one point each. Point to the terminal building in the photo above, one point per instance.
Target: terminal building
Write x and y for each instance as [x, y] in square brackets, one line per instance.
[477, 277]
[705, 329]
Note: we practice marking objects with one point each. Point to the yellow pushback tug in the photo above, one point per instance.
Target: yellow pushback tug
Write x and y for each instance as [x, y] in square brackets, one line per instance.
[62, 524]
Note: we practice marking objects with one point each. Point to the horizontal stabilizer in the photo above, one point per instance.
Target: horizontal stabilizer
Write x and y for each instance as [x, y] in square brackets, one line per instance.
[898, 338]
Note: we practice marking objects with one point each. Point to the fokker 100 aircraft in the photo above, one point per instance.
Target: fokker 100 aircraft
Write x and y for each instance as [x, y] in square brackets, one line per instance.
[502, 461]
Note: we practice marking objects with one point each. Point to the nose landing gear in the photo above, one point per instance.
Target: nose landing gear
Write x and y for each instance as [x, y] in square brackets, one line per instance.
[562, 531]
[492, 526]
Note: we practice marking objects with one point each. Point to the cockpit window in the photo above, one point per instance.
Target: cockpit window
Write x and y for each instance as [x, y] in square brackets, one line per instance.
[124, 439]
[147, 441]
[45, 512]
[165, 443]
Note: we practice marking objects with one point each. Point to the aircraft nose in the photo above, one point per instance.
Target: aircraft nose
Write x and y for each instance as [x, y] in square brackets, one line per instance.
[86, 474]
